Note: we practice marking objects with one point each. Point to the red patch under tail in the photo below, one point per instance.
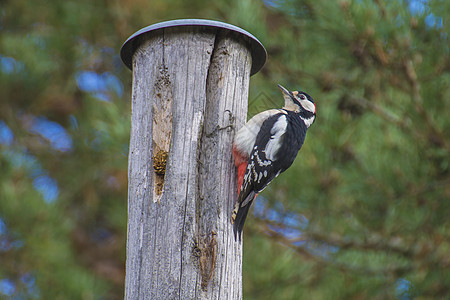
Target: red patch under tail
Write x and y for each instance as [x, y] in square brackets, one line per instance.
[240, 161]
[241, 172]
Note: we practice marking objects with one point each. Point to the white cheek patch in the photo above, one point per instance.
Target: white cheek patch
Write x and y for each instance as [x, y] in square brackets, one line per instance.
[308, 105]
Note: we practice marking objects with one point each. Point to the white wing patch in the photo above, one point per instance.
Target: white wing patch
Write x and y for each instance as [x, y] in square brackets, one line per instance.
[276, 138]
[245, 138]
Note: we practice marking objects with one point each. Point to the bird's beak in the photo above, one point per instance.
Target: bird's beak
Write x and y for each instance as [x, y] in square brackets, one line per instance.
[284, 91]
[286, 94]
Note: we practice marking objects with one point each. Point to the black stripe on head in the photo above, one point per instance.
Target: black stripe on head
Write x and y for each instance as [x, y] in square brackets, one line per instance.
[305, 101]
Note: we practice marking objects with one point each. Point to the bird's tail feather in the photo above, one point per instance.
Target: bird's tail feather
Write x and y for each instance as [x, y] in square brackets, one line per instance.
[239, 215]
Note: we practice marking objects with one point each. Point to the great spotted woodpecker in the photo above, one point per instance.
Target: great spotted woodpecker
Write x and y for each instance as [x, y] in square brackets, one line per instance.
[266, 146]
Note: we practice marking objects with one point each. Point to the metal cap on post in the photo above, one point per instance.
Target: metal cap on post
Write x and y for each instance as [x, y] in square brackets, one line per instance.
[190, 91]
[258, 52]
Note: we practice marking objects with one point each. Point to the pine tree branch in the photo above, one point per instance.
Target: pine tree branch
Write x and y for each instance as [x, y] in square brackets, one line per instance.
[434, 133]
[397, 270]
[421, 254]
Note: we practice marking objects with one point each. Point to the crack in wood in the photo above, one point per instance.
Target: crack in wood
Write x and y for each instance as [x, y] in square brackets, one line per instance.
[161, 129]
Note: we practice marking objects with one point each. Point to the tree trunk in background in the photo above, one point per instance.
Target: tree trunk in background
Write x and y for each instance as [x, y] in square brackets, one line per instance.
[190, 89]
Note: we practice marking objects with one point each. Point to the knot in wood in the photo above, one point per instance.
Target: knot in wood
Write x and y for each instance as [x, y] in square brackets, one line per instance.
[205, 250]
[160, 161]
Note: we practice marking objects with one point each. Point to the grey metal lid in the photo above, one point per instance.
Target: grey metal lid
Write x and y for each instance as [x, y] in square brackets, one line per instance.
[259, 54]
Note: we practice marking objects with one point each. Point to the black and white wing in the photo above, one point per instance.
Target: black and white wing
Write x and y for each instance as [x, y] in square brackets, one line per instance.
[262, 166]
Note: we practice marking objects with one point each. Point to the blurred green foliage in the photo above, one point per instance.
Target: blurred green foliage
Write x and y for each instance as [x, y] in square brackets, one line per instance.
[366, 202]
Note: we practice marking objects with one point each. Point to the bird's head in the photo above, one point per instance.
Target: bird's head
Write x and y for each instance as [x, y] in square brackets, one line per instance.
[301, 103]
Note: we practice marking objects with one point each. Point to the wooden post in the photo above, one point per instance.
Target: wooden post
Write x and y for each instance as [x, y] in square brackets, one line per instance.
[190, 89]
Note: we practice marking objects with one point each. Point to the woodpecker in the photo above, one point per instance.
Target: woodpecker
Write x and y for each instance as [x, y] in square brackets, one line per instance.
[266, 146]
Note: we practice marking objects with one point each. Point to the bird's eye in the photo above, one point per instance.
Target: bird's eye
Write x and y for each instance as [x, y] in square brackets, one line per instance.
[302, 97]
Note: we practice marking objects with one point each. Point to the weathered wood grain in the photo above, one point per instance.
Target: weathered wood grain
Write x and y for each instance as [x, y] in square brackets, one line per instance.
[190, 89]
